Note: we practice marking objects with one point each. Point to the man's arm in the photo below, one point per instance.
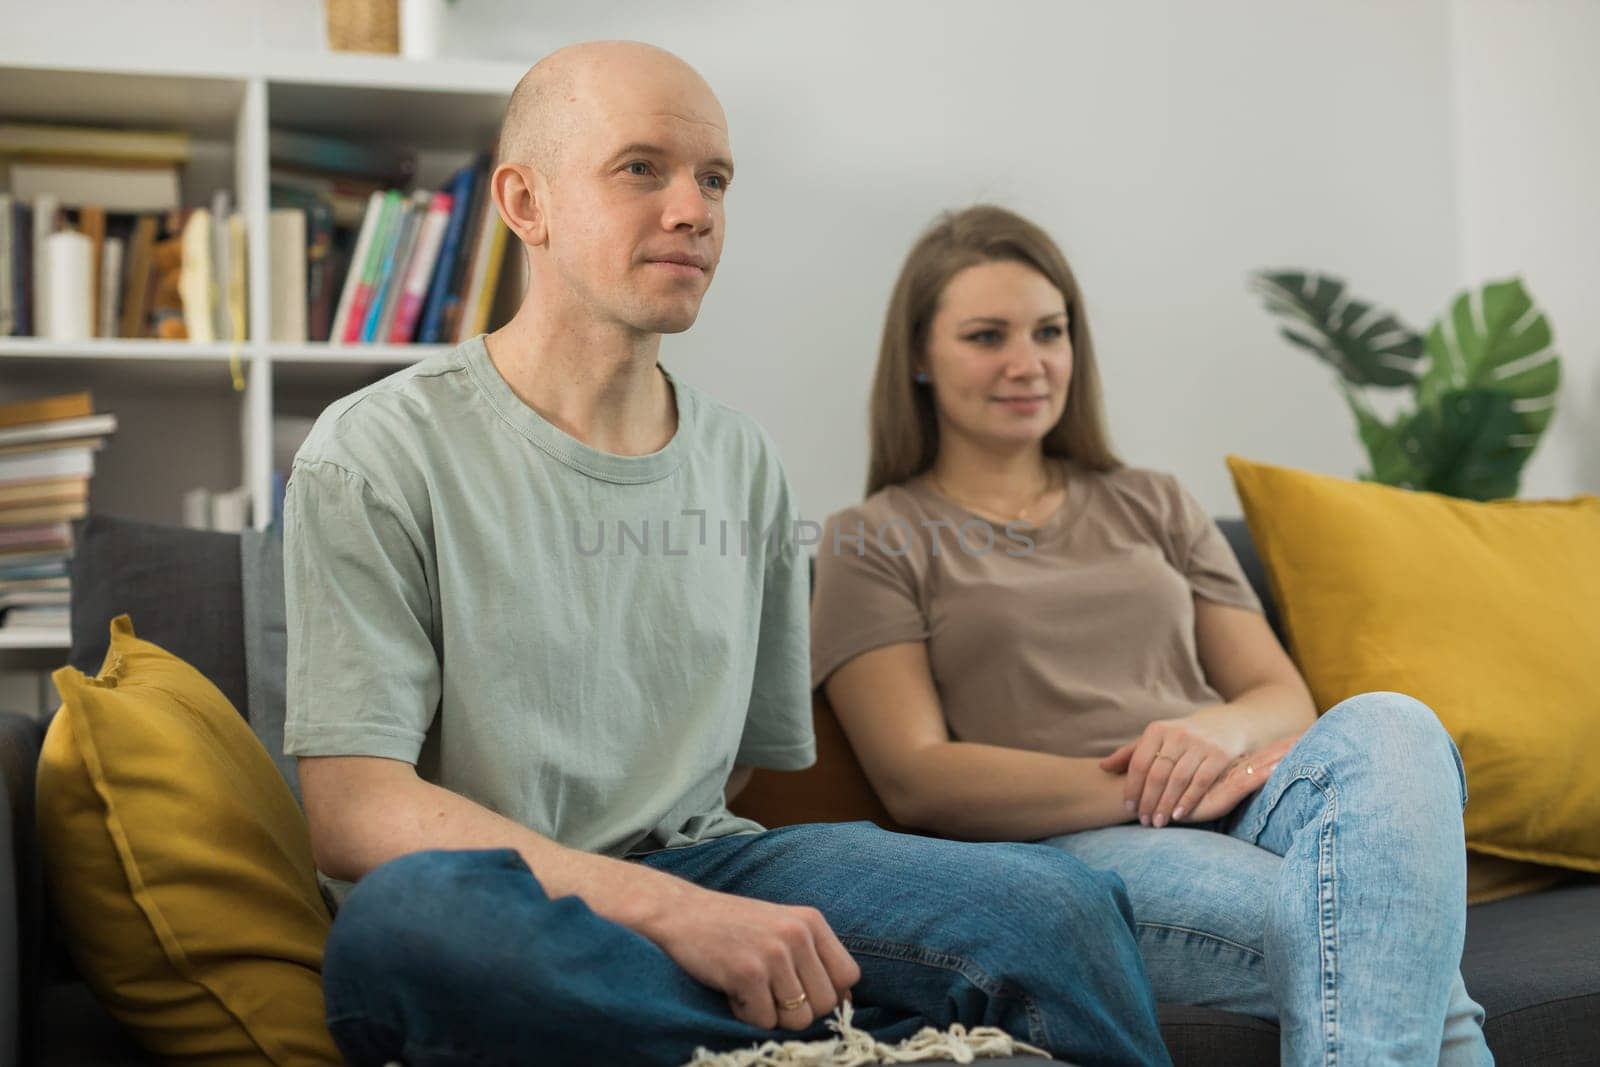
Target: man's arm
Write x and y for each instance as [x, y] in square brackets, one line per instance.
[365, 810]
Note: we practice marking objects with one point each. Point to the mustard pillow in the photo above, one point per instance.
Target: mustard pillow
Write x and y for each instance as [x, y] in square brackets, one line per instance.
[1489, 613]
[180, 866]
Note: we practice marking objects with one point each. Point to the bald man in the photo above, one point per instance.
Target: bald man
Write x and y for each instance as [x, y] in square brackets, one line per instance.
[539, 630]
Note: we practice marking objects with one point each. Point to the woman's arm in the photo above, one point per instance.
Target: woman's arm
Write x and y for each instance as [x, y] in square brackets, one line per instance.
[886, 702]
[1266, 701]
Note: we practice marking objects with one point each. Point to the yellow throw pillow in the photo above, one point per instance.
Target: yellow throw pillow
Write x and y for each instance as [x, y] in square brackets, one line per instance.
[1489, 613]
[180, 866]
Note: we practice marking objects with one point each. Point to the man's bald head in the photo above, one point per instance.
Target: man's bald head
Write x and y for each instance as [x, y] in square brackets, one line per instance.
[574, 87]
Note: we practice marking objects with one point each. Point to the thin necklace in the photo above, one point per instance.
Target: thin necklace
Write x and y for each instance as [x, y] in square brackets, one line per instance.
[1023, 515]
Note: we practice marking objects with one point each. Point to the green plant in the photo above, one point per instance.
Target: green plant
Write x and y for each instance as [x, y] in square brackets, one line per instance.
[1483, 379]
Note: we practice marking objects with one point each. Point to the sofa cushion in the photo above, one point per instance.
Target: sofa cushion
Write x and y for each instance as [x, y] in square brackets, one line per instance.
[182, 585]
[1489, 613]
[266, 644]
[1533, 962]
[180, 866]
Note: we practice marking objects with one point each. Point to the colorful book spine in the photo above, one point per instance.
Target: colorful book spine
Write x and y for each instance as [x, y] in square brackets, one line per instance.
[367, 284]
[420, 272]
[460, 189]
[386, 271]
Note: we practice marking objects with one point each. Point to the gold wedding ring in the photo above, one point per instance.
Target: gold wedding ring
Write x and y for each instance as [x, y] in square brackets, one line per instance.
[791, 1005]
[1163, 755]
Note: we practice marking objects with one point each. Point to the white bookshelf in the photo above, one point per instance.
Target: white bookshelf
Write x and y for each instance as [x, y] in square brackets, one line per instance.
[201, 414]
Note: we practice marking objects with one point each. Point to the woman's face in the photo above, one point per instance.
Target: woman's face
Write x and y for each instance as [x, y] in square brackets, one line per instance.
[998, 354]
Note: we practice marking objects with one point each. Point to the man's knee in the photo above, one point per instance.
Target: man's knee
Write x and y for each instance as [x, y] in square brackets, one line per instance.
[408, 913]
[1046, 896]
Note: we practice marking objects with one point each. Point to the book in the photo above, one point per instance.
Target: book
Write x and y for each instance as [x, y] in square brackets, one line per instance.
[460, 189]
[136, 281]
[195, 278]
[43, 513]
[58, 429]
[8, 295]
[47, 409]
[114, 188]
[485, 277]
[44, 491]
[321, 270]
[230, 510]
[21, 258]
[335, 155]
[370, 267]
[221, 263]
[95, 443]
[53, 568]
[110, 287]
[31, 139]
[234, 296]
[381, 318]
[15, 558]
[462, 262]
[34, 598]
[414, 287]
[71, 310]
[33, 466]
[92, 224]
[369, 225]
[286, 233]
[197, 509]
[165, 319]
[41, 618]
[45, 210]
[49, 534]
[346, 201]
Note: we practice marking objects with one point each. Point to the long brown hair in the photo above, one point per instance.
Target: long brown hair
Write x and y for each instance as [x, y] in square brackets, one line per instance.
[904, 428]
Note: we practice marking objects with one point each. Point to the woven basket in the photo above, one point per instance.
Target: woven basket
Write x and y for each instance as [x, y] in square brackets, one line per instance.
[363, 25]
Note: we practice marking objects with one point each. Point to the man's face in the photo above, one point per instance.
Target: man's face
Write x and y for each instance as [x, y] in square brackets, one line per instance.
[636, 207]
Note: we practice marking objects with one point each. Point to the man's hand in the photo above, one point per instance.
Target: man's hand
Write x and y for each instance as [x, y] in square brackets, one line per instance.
[763, 956]
[1171, 766]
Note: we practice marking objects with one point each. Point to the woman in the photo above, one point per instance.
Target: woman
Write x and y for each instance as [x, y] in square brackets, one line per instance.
[1027, 640]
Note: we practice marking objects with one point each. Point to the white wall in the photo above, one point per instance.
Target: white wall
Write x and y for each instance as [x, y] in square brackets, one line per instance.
[1170, 147]
[1527, 112]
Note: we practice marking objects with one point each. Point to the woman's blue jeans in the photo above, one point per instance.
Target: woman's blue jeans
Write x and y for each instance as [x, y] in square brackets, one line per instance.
[1333, 900]
[459, 957]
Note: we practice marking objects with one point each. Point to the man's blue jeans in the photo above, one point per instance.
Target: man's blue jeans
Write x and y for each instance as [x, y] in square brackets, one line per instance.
[459, 957]
[1333, 900]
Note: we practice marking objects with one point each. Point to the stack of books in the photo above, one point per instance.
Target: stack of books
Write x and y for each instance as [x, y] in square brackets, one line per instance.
[47, 449]
[377, 264]
[94, 241]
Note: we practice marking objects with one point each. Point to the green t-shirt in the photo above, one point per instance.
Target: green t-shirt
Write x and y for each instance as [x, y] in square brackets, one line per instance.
[583, 642]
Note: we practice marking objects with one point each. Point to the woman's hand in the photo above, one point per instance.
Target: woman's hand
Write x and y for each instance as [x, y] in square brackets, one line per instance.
[1244, 776]
[1173, 764]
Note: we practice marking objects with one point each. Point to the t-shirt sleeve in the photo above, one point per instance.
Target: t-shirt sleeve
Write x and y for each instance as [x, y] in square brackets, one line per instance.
[865, 598]
[1206, 558]
[363, 674]
[778, 731]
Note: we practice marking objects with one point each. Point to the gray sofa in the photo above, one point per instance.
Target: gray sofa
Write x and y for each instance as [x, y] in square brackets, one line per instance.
[217, 601]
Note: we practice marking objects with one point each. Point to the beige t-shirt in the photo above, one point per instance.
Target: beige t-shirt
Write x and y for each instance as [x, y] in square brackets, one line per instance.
[1068, 637]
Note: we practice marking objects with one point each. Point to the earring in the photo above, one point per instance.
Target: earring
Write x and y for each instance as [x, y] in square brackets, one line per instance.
[921, 377]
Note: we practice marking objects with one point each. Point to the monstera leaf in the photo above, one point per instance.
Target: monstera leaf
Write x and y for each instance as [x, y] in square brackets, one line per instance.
[1496, 340]
[1392, 464]
[1464, 444]
[1366, 345]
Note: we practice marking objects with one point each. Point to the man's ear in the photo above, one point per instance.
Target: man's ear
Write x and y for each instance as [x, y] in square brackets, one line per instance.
[516, 191]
